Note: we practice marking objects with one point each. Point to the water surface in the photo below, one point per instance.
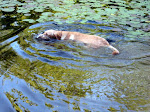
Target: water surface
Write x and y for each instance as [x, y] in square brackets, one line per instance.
[68, 76]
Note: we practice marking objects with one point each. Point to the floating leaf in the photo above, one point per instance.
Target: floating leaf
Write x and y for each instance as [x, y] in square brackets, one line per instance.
[39, 10]
[133, 14]
[29, 20]
[10, 9]
[47, 13]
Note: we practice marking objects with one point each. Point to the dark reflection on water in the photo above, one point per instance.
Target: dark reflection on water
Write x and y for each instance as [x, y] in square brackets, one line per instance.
[68, 76]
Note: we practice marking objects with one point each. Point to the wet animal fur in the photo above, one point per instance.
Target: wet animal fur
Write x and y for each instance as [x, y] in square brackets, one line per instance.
[91, 40]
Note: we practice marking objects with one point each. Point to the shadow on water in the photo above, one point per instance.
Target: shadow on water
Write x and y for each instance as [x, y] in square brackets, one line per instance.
[68, 76]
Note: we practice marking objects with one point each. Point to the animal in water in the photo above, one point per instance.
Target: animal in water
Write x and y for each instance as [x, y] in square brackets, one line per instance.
[91, 40]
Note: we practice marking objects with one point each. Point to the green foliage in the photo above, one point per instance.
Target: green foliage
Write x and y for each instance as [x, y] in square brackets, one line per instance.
[29, 20]
[113, 12]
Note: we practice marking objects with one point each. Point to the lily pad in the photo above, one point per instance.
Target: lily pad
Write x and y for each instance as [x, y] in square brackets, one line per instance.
[38, 10]
[10, 9]
[29, 20]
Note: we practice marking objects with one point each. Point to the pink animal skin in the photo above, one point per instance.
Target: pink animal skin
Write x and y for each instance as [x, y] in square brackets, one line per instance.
[91, 40]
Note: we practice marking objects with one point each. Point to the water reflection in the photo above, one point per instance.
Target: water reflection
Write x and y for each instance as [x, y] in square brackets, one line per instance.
[68, 76]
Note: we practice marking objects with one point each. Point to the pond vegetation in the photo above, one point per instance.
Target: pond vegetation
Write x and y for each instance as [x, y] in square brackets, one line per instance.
[67, 76]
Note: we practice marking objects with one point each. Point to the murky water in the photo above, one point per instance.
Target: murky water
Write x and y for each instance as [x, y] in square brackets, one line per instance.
[68, 76]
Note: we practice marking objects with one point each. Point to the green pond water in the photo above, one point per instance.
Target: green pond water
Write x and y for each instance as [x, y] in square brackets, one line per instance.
[66, 76]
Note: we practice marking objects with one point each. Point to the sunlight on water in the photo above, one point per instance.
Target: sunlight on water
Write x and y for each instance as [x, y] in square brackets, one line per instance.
[68, 76]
